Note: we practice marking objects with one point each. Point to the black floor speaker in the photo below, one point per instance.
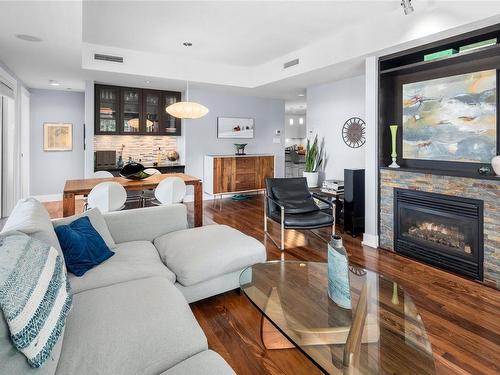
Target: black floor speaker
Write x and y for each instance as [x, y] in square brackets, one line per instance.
[354, 201]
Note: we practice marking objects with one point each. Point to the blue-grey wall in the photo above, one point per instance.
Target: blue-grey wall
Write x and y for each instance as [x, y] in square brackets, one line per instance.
[201, 134]
[50, 170]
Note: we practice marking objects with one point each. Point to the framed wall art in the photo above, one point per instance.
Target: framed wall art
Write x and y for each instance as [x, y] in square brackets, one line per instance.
[57, 136]
[235, 127]
[451, 119]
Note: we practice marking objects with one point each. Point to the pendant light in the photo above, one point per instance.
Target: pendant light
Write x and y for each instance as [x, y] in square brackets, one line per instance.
[187, 109]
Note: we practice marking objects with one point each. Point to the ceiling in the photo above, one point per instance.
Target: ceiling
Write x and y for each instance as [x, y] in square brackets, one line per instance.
[243, 33]
[238, 46]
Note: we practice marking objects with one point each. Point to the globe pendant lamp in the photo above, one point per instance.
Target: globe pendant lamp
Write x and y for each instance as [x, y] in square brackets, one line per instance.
[187, 109]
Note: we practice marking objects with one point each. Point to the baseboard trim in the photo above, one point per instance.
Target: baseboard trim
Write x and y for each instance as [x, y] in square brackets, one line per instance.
[370, 240]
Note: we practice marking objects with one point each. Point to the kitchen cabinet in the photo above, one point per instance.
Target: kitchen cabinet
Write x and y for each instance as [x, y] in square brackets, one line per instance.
[134, 111]
[131, 111]
[170, 125]
[107, 106]
[152, 104]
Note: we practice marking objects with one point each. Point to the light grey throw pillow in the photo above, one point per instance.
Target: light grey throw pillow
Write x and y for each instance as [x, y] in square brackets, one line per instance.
[31, 217]
[97, 221]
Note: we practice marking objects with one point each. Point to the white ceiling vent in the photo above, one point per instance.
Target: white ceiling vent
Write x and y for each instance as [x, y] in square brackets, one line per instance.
[110, 58]
[291, 63]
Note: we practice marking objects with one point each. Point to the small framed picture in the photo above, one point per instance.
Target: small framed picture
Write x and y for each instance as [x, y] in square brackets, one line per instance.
[235, 127]
[57, 136]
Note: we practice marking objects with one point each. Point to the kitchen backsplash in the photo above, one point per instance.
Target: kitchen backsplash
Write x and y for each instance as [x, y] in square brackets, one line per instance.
[142, 147]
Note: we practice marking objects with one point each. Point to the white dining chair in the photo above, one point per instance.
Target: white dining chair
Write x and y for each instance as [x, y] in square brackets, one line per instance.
[171, 190]
[102, 174]
[149, 194]
[107, 196]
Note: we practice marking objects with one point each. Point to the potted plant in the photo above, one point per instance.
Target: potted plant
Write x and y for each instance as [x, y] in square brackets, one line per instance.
[313, 161]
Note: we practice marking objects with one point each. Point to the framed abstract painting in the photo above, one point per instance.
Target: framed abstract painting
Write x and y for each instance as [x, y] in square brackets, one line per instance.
[57, 136]
[451, 119]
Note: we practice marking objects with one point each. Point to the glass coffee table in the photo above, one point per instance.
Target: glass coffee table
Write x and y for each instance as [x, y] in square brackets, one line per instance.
[382, 333]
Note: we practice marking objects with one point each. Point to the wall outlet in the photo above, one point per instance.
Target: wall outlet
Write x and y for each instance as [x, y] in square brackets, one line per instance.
[276, 140]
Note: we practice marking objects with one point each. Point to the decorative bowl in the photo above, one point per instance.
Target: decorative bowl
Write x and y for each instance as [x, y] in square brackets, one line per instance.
[134, 171]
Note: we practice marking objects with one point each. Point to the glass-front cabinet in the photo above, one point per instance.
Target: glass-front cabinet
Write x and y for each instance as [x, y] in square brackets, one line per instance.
[169, 124]
[131, 111]
[106, 109]
[152, 100]
[135, 111]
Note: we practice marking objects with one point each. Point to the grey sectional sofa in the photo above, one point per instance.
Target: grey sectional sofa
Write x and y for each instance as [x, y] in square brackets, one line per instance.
[130, 314]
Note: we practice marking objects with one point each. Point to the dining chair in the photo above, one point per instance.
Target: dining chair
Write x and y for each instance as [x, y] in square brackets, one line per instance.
[149, 194]
[171, 190]
[107, 196]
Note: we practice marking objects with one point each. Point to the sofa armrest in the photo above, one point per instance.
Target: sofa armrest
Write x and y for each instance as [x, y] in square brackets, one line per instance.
[145, 224]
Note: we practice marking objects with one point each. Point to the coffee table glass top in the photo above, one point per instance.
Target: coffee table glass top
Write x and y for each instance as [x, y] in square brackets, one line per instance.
[382, 333]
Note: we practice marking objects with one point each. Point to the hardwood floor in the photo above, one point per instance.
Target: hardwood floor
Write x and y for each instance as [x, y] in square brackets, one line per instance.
[462, 317]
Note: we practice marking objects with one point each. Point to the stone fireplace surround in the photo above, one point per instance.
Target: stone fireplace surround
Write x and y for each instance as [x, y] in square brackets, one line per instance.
[486, 190]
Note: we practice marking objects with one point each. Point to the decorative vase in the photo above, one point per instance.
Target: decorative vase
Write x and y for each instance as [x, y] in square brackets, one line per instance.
[312, 178]
[240, 148]
[120, 162]
[339, 290]
[495, 163]
[394, 132]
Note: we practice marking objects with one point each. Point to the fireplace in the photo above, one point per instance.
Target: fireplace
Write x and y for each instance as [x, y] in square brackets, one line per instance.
[442, 230]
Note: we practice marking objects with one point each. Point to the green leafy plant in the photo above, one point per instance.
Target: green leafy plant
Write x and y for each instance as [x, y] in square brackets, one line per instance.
[314, 156]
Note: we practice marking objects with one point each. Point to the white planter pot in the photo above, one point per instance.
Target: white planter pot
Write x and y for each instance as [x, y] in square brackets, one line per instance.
[495, 163]
[312, 178]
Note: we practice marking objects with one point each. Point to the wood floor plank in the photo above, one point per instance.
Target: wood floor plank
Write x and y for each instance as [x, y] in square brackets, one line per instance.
[462, 317]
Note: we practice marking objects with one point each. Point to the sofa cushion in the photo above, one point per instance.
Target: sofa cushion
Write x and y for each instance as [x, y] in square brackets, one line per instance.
[145, 224]
[82, 246]
[132, 261]
[200, 254]
[30, 216]
[137, 327]
[204, 363]
[97, 221]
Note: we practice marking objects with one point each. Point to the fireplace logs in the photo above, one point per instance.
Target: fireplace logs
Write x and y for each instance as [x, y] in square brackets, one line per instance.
[440, 233]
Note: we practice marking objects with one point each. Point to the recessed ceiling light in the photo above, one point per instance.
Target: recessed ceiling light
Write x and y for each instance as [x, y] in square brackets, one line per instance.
[54, 83]
[28, 38]
[187, 44]
[147, 81]
[301, 95]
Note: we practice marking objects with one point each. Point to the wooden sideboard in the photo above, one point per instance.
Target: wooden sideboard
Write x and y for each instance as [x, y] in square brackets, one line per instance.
[232, 174]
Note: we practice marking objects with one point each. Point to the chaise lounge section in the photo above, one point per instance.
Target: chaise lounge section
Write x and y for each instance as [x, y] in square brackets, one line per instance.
[130, 314]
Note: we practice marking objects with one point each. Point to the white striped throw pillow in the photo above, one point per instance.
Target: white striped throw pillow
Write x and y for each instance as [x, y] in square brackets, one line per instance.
[35, 296]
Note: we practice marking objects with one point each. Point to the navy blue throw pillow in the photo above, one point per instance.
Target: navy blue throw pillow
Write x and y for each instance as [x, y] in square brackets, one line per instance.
[82, 246]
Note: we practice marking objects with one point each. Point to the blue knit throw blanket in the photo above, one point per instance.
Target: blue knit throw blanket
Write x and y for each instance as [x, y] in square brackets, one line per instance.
[35, 296]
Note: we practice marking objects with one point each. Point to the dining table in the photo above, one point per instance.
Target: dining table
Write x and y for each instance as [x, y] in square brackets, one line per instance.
[73, 188]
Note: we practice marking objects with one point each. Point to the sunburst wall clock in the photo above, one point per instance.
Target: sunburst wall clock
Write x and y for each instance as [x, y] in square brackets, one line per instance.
[353, 132]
